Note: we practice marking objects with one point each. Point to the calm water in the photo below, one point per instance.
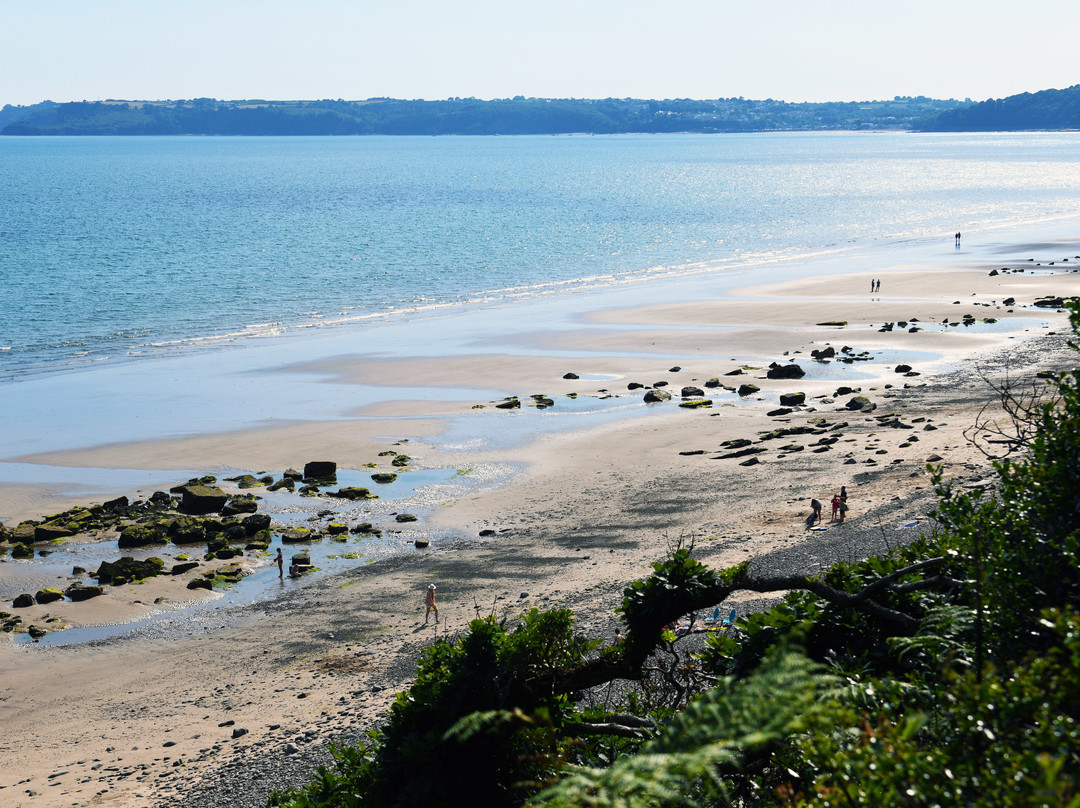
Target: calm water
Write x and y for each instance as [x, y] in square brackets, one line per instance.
[115, 249]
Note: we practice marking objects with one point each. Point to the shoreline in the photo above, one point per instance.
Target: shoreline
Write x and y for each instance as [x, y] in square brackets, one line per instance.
[594, 503]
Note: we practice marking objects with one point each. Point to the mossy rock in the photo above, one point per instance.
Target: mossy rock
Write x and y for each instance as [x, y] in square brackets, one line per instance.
[747, 390]
[286, 483]
[52, 531]
[365, 529]
[696, 403]
[200, 498]
[24, 532]
[256, 523]
[296, 535]
[128, 569]
[792, 399]
[200, 583]
[337, 528]
[44, 596]
[405, 517]
[384, 477]
[400, 460]
[22, 551]
[353, 492]
[509, 404]
[320, 470]
[140, 536]
[244, 503]
[186, 566]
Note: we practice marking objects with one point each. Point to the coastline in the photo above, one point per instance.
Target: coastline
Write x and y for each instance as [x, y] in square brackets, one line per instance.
[594, 503]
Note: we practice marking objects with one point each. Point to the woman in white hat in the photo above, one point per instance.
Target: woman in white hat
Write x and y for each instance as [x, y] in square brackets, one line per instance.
[429, 601]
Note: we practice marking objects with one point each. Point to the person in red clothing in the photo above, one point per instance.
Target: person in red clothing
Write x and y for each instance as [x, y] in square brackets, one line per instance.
[429, 601]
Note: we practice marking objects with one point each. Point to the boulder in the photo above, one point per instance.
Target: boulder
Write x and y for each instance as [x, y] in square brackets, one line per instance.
[51, 532]
[405, 517]
[22, 551]
[747, 389]
[292, 474]
[160, 499]
[571, 376]
[36, 632]
[256, 522]
[792, 399]
[320, 470]
[24, 532]
[44, 596]
[23, 601]
[788, 371]
[240, 504]
[186, 532]
[352, 493]
[201, 499]
[288, 483]
[128, 569]
[182, 567]
[78, 591]
[902, 369]
[117, 506]
[421, 544]
[860, 403]
[713, 382]
[691, 392]
[384, 478]
[337, 528]
[140, 536]
[824, 353]
[296, 535]
[200, 583]
[656, 396]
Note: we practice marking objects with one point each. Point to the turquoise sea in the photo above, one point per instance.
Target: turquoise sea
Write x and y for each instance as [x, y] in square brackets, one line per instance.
[124, 249]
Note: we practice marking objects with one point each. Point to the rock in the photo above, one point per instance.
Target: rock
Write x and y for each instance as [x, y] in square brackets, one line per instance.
[36, 633]
[781, 411]
[337, 528]
[421, 544]
[352, 493]
[843, 391]
[255, 523]
[239, 732]
[22, 551]
[634, 386]
[736, 372]
[23, 601]
[747, 389]
[405, 517]
[201, 499]
[824, 353]
[792, 399]
[140, 536]
[320, 470]
[400, 460]
[187, 532]
[713, 382]
[128, 569]
[675, 369]
[80, 592]
[292, 474]
[656, 396]
[860, 403]
[934, 458]
[182, 567]
[736, 443]
[788, 371]
[696, 403]
[571, 376]
[239, 505]
[296, 535]
[288, 483]
[902, 369]
[302, 559]
[118, 505]
[44, 596]
[691, 392]
[77, 570]
[24, 532]
[384, 477]
[511, 403]
[753, 461]
[51, 532]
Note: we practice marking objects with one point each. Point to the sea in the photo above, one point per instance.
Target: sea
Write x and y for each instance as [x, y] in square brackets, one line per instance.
[125, 249]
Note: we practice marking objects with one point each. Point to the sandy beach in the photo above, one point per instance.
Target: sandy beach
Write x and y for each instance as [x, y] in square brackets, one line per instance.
[151, 717]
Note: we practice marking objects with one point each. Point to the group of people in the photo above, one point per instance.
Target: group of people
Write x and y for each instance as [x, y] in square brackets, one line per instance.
[875, 285]
[839, 508]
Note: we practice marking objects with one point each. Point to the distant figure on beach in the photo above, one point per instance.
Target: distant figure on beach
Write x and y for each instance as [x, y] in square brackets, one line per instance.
[429, 601]
[957, 239]
[835, 506]
[815, 511]
[280, 565]
[878, 287]
[871, 284]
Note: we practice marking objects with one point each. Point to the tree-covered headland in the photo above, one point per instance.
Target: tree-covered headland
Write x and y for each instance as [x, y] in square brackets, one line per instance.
[944, 672]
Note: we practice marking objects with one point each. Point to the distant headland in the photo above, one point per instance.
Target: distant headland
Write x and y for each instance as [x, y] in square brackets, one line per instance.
[1048, 109]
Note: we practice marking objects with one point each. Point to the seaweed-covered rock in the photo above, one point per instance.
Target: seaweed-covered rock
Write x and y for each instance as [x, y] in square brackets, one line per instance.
[384, 478]
[792, 399]
[24, 532]
[860, 403]
[199, 499]
[186, 531]
[696, 403]
[511, 403]
[140, 536]
[287, 483]
[400, 460]
[352, 493]
[747, 390]
[182, 567]
[337, 528]
[199, 583]
[51, 531]
[116, 506]
[79, 591]
[240, 504]
[22, 551]
[44, 596]
[296, 535]
[128, 569]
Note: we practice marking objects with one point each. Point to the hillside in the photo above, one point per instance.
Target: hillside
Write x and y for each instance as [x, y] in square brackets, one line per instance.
[1047, 109]
[460, 116]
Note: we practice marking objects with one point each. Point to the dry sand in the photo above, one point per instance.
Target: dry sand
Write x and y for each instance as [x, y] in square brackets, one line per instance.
[139, 720]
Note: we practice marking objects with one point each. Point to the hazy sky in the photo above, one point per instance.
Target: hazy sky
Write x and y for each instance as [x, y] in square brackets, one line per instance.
[795, 50]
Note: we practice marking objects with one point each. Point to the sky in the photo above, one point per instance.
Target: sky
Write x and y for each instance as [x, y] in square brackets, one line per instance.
[792, 50]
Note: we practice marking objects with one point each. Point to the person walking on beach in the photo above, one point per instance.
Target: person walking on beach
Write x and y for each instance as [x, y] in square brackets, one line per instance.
[280, 565]
[871, 285]
[429, 601]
